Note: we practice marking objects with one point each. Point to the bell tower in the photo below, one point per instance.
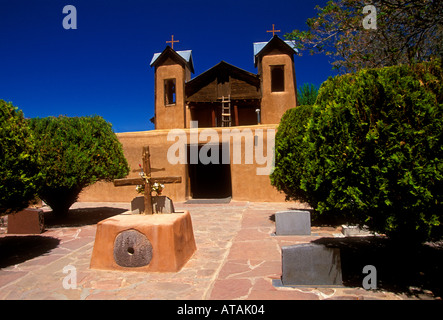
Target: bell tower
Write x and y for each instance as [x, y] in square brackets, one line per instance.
[275, 63]
[172, 70]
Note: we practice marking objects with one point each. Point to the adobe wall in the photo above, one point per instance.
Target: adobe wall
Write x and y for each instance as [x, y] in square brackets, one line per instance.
[275, 104]
[170, 116]
[247, 185]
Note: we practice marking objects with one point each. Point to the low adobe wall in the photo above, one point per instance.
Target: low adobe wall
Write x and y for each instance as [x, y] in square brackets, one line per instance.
[247, 184]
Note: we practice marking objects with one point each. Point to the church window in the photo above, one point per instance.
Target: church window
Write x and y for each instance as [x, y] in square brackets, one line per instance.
[170, 92]
[277, 78]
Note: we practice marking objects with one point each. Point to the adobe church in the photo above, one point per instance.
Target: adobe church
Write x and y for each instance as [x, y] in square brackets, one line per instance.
[224, 97]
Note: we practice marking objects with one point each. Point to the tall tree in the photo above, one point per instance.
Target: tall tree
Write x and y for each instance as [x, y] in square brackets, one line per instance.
[400, 31]
[307, 94]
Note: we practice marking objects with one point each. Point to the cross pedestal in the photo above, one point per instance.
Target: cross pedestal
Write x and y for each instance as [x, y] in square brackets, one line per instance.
[155, 243]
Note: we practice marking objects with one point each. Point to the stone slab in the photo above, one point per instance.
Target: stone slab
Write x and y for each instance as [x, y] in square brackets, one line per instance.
[27, 221]
[293, 222]
[170, 235]
[350, 231]
[311, 265]
[138, 204]
[160, 204]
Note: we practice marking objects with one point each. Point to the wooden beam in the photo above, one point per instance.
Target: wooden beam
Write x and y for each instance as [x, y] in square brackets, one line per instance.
[140, 181]
[128, 182]
[213, 116]
[166, 180]
[236, 114]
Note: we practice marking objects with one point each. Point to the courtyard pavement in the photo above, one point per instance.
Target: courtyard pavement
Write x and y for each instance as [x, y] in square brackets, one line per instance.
[237, 258]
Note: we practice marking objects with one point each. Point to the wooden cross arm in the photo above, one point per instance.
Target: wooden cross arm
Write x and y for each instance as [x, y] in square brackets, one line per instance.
[140, 181]
[166, 180]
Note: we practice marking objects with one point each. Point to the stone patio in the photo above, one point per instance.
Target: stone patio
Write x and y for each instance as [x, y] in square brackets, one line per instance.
[237, 257]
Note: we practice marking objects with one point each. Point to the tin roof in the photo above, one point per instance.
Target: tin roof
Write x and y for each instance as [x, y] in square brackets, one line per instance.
[259, 46]
[186, 55]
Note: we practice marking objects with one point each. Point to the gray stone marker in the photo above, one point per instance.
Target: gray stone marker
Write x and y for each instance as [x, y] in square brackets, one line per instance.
[293, 222]
[311, 265]
[160, 204]
[350, 231]
[138, 204]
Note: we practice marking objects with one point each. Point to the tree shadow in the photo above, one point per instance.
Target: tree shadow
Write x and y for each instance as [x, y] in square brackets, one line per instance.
[18, 249]
[81, 217]
[400, 267]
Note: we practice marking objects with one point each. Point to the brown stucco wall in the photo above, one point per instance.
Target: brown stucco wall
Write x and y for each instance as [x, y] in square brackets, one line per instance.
[275, 104]
[246, 184]
[171, 116]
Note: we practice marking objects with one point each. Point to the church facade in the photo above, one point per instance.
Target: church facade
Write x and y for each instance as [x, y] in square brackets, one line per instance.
[253, 98]
[225, 114]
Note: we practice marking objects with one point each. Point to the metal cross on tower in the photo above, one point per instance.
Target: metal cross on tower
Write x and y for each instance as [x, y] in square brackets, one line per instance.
[172, 42]
[273, 30]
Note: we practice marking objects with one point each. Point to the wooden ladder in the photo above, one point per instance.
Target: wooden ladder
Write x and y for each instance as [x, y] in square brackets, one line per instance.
[226, 111]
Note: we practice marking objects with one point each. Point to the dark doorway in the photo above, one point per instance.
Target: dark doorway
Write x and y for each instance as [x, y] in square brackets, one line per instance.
[209, 181]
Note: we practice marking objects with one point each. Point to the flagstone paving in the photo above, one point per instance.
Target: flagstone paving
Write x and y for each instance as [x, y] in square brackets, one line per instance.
[237, 257]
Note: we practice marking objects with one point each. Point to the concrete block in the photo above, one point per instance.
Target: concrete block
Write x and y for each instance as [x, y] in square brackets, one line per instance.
[292, 222]
[311, 265]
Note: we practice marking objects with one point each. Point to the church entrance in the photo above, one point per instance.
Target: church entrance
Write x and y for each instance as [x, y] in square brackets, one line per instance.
[209, 181]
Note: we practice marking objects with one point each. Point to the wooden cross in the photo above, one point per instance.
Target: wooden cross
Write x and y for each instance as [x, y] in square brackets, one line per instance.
[172, 42]
[148, 182]
[273, 30]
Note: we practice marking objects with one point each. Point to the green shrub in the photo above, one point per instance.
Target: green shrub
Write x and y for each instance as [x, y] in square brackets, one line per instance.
[373, 151]
[289, 152]
[73, 154]
[18, 167]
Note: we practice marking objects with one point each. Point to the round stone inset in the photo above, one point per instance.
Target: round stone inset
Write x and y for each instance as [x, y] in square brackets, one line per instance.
[132, 249]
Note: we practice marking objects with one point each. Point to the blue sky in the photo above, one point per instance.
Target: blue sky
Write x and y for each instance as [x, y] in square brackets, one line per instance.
[102, 67]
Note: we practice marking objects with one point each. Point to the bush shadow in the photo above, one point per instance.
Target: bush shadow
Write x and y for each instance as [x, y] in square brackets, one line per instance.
[81, 217]
[18, 249]
[401, 268]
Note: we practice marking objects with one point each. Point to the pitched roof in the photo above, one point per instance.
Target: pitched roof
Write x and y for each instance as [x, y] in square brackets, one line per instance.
[228, 66]
[260, 48]
[183, 56]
